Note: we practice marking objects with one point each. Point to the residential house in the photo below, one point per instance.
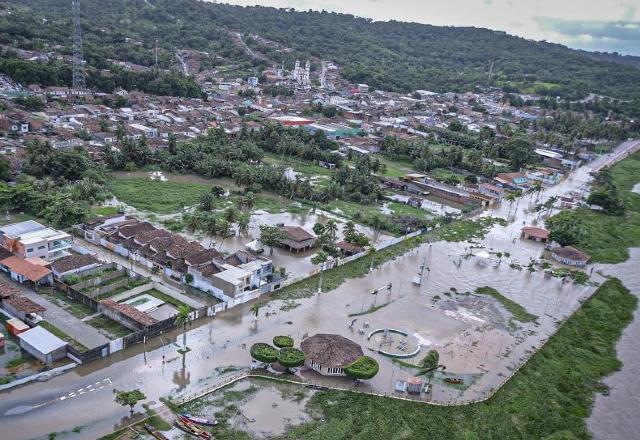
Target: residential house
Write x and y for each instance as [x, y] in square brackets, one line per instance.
[297, 238]
[31, 239]
[512, 180]
[535, 234]
[27, 270]
[570, 256]
[74, 264]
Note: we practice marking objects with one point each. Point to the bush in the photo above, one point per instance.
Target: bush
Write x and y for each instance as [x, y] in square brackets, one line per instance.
[363, 368]
[264, 353]
[290, 357]
[72, 279]
[283, 341]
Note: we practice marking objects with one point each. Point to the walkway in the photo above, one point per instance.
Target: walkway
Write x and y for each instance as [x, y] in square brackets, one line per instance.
[80, 331]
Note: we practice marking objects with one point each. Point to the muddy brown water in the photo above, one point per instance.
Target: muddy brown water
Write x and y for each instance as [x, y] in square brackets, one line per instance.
[471, 336]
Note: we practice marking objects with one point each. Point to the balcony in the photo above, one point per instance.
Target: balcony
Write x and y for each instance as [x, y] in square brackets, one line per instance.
[59, 245]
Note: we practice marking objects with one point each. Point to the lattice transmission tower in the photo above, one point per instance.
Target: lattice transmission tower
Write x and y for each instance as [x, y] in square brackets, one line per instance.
[78, 61]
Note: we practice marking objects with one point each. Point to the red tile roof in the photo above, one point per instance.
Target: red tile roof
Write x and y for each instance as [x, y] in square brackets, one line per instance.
[30, 271]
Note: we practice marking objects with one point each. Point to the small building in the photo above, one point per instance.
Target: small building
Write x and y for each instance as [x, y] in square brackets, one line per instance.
[43, 345]
[22, 307]
[414, 385]
[126, 315]
[329, 354]
[74, 264]
[570, 256]
[347, 249]
[297, 238]
[16, 326]
[23, 270]
[535, 234]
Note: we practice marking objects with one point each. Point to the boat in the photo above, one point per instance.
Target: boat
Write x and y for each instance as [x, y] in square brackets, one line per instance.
[199, 420]
[454, 380]
[192, 429]
[155, 432]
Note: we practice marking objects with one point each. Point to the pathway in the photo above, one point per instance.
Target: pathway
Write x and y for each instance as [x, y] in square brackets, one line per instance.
[80, 331]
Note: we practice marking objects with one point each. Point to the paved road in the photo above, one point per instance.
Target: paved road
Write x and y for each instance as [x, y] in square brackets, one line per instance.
[88, 336]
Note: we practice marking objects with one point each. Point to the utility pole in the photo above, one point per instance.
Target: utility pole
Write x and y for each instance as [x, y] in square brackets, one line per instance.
[78, 61]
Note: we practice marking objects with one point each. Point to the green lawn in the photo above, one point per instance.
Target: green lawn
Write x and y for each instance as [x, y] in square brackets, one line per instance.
[445, 175]
[549, 398]
[396, 168]
[114, 329]
[155, 196]
[103, 210]
[305, 167]
[408, 210]
[518, 312]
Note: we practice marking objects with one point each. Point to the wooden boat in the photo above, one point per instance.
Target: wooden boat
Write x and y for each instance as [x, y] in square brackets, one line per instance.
[155, 432]
[199, 420]
[192, 429]
[454, 380]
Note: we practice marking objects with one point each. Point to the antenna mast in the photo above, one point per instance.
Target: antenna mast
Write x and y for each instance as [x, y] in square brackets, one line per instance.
[78, 62]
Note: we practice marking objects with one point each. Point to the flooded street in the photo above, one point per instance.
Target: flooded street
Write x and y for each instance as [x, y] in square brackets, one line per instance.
[477, 338]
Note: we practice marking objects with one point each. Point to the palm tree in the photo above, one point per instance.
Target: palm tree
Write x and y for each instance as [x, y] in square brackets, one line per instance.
[511, 197]
[194, 222]
[537, 188]
[430, 365]
[182, 318]
[319, 259]
[518, 196]
[212, 228]
[255, 309]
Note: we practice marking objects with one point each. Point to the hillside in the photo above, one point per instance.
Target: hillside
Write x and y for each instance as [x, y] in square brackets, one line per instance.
[389, 55]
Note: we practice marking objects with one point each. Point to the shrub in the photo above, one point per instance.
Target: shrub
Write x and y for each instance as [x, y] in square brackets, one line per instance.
[264, 353]
[364, 367]
[290, 357]
[283, 341]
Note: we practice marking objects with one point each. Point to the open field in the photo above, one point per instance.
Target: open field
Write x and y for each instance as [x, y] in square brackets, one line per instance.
[156, 196]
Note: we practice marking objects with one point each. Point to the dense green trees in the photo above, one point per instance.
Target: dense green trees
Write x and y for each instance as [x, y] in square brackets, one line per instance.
[382, 54]
[566, 228]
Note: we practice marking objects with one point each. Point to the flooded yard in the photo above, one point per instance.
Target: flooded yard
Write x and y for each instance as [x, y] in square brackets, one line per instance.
[261, 408]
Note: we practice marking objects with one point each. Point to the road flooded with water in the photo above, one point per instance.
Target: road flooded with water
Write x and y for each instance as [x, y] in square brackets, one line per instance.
[478, 339]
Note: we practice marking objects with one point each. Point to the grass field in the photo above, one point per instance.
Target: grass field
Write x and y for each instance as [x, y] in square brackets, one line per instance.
[103, 210]
[305, 167]
[156, 196]
[518, 312]
[407, 210]
[396, 168]
[549, 398]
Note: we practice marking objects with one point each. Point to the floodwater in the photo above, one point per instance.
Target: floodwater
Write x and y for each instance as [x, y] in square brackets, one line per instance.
[475, 336]
[615, 417]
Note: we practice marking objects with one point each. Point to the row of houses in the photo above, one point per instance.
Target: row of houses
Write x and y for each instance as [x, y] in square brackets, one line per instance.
[227, 277]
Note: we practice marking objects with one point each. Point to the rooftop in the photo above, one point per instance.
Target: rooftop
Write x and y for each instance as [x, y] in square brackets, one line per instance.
[42, 340]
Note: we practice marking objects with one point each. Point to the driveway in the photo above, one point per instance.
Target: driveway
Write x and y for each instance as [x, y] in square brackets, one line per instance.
[82, 332]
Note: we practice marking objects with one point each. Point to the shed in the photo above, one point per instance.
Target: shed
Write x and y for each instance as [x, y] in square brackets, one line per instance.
[414, 385]
[15, 326]
[43, 345]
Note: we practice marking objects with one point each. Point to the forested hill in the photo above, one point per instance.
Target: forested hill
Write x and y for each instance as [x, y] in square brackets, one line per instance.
[389, 55]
